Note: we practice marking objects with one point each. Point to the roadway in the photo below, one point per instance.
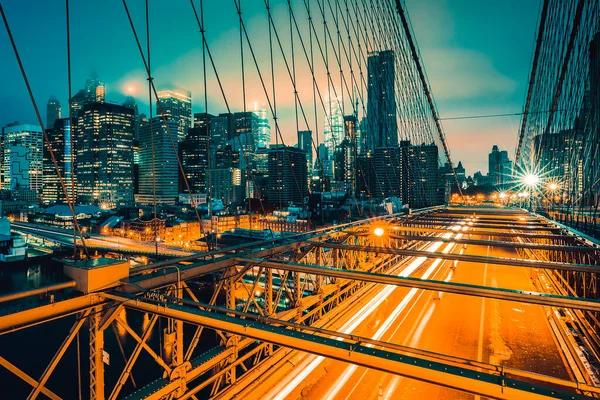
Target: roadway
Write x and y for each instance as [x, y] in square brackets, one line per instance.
[96, 241]
[492, 331]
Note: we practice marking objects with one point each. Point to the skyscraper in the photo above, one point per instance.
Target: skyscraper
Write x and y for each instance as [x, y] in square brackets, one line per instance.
[53, 112]
[362, 147]
[60, 139]
[165, 163]
[324, 163]
[425, 185]
[382, 127]
[345, 165]
[194, 159]
[305, 144]
[177, 104]
[104, 156]
[130, 103]
[500, 167]
[221, 130]
[246, 127]
[365, 175]
[263, 131]
[226, 184]
[92, 93]
[334, 124]
[27, 141]
[389, 173]
[351, 151]
[287, 182]
[95, 89]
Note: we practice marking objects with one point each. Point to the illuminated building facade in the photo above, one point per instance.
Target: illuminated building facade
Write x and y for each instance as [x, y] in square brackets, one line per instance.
[334, 125]
[104, 156]
[382, 127]
[177, 105]
[165, 162]
[305, 144]
[194, 159]
[60, 140]
[226, 185]
[28, 140]
[263, 132]
[287, 183]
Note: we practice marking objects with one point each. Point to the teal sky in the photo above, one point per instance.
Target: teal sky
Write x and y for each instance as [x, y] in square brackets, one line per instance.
[476, 53]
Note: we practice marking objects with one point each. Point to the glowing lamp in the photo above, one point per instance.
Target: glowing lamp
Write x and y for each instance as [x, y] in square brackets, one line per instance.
[378, 231]
[553, 186]
[531, 180]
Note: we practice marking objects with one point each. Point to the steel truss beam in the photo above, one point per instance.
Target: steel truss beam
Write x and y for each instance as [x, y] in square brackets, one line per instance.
[58, 356]
[486, 384]
[513, 262]
[26, 378]
[402, 228]
[516, 226]
[441, 286]
[493, 243]
[17, 320]
[199, 365]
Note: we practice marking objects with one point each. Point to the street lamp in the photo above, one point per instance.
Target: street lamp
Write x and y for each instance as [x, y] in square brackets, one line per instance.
[531, 180]
[552, 188]
[378, 232]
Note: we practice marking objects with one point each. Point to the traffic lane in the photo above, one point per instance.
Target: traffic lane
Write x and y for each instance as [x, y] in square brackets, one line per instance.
[510, 334]
[515, 335]
[337, 379]
[368, 327]
[407, 330]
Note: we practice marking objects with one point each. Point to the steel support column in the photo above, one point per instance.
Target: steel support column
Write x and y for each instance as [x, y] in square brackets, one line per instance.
[96, 347]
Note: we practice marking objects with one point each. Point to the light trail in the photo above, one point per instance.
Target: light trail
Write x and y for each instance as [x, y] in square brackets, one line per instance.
[343, 379]
[279, 392]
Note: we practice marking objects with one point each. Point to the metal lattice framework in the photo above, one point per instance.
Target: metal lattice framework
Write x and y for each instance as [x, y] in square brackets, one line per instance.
[275, 296]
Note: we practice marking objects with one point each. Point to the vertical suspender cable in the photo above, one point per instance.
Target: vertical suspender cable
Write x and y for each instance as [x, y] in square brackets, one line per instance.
[208, 126]
[155, 219]
[71, 130]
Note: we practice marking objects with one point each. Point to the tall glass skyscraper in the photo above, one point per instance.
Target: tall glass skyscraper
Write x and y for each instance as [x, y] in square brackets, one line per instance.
[165, 163]
[194, 159]
[334, 124]
[177, 104]
[104, 161]
[263, 132]
[382, 127]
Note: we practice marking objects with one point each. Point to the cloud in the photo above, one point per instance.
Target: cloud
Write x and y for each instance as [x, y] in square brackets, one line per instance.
[432, 23]
[456, 73]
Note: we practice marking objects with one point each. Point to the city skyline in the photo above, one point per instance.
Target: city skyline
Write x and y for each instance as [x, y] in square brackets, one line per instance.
[442, 30]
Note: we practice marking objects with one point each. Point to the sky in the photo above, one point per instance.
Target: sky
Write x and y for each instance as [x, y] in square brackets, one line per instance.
[477, 56]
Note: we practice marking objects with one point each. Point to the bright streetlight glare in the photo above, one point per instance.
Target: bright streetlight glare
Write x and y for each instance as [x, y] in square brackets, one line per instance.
[531, 180]
[553, 186]
[524, 194]
[378, 231]
[502, 195]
